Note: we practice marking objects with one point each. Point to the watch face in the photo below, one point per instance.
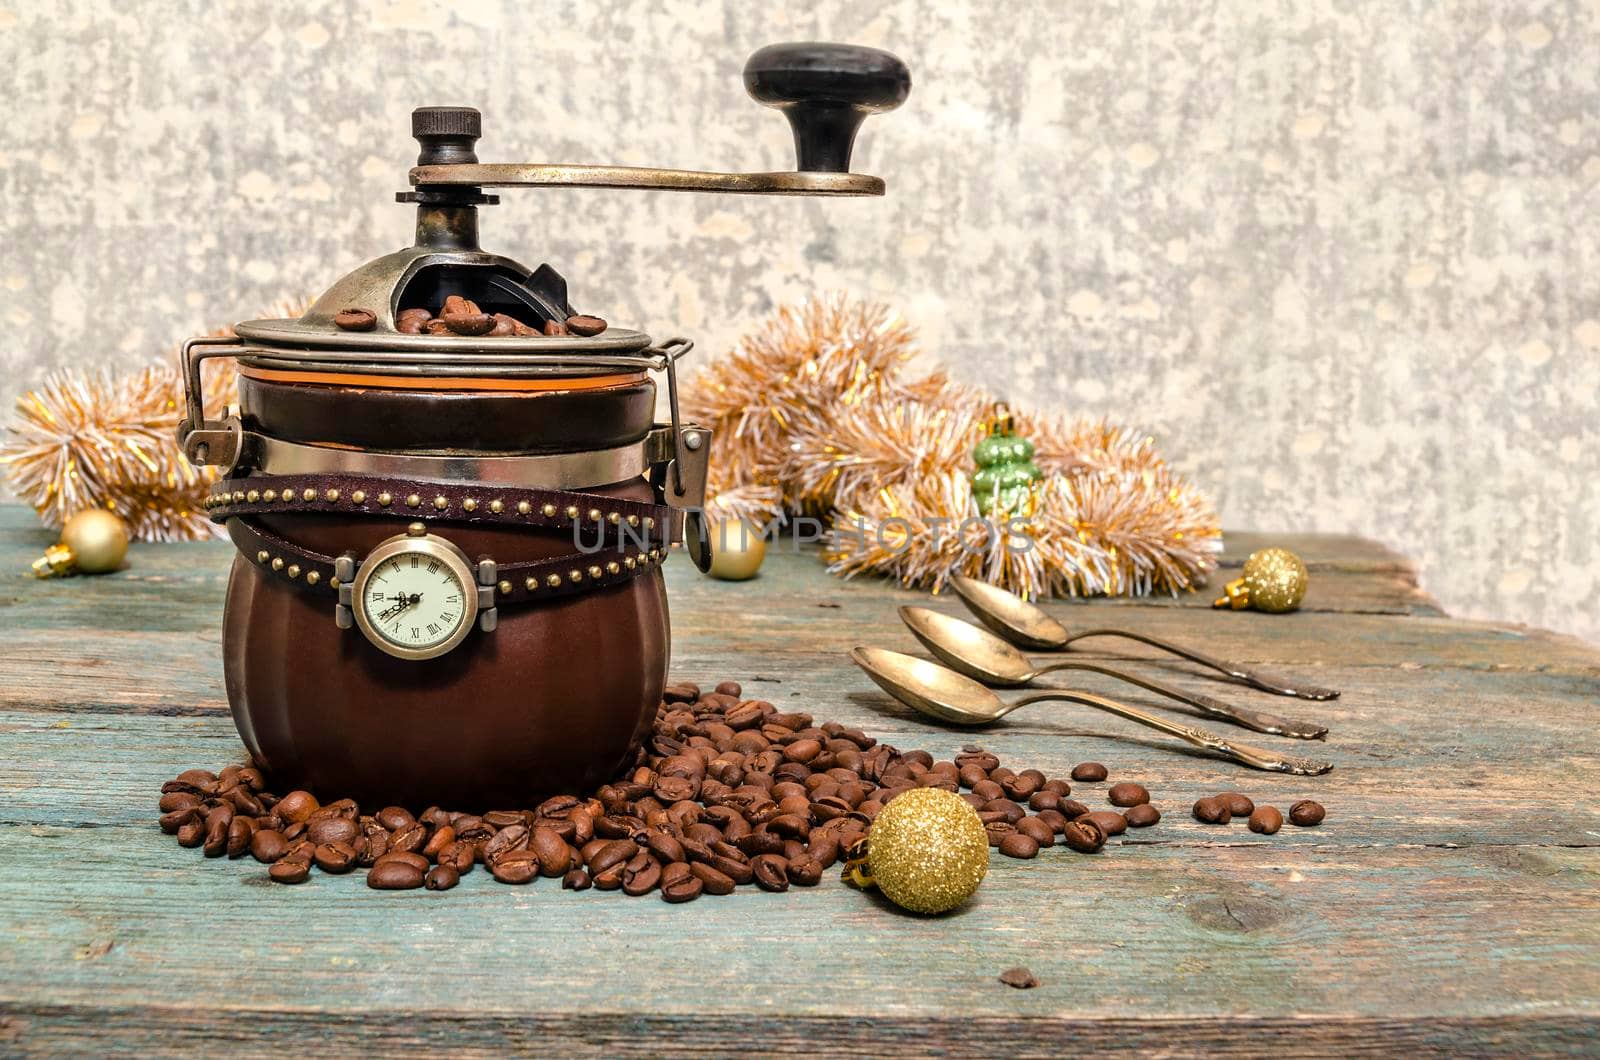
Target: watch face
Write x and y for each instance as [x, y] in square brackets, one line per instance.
[415, 600]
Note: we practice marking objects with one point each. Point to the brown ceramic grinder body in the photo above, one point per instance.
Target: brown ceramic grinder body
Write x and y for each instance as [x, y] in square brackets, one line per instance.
[556, 698]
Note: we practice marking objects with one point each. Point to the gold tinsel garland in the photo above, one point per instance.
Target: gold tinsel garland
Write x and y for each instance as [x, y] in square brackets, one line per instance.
[812, 417]
[95, 439]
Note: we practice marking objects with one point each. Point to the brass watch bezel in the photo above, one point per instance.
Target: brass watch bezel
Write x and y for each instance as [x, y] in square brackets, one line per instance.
[425, 544]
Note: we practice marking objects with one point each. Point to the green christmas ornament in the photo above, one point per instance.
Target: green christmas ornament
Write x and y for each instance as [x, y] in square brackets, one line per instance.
[1006, 472]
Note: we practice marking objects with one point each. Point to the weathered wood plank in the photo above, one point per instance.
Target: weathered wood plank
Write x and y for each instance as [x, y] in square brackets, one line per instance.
[1448, 905]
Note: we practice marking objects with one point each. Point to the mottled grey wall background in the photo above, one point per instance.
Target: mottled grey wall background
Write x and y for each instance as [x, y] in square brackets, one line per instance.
[1340, 256]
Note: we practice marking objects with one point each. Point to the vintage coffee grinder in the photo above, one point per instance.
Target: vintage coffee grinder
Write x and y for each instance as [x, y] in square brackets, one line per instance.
[449, 493]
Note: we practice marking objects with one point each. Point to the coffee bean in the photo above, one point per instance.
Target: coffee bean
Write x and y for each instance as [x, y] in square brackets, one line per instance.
[1018, 845]
[392, 874]
[1052, 819]
[997, 831]
[555, 857]
[192, 833]
[394, 818]
[640, 875]
[576, 880]
[1141, 816]
[1083, 835]
[1266, 820]
[771, 872]
[409, 840]
[679, 884]
[587, 325]
[240, 831]
[332, 830]
[441, 878]
[467, 323]
[1089, 772]
[1109, 821]
[179, 800]
[289, 871]
[1127, 794]
[335, 857]
[267, 846]
[615, 852]
[804, 871]
[297, 806]
[514, 870]
[1212, 811]
[1044, 800]
[1238, 805]
[555, 327]
[1071, 808]
[714, 882]
[355, 319]
[1019, 977]
[511, 837]
[373, 846]
[1306, 813]
[1039, 831]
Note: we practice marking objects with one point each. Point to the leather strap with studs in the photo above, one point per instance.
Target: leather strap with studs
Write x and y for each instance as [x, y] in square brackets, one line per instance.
[632, 523]
[525, 582]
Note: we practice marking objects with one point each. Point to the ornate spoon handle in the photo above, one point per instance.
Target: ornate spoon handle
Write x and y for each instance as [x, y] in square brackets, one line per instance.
[1246, 754]
[1260, 721]
[1255, 678]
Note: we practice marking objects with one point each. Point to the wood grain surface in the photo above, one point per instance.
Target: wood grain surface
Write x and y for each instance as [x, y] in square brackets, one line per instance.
[1449, 905]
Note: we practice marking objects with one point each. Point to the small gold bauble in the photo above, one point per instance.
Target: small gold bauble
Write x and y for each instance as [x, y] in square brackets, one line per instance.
[1274, 580]
[737, 550]
[98, 540]
[927, 851]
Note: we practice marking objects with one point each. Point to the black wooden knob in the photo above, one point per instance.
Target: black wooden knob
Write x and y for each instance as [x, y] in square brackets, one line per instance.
[826, 91]
[447, 134]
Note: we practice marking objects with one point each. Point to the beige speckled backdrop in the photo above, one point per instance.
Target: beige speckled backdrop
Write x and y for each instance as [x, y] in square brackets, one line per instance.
[1340, 256]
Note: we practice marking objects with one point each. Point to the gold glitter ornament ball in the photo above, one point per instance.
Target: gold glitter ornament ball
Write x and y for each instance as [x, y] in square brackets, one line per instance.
[927, 850]
[1275, 579]
[737, 549]
[92, 542]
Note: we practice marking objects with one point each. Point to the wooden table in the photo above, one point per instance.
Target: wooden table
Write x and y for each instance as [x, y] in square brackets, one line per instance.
[1450, 903]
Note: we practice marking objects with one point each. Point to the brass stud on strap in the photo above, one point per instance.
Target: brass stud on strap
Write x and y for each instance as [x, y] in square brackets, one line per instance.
[312, 577]
[594, 572]
[594, 515]
[649, 523]
[238, 496]
[253, 496]
[277, 562]
[572, 511]
[413, 500]
[613, 567]
[574, 576]
[614, 518]
[385, 499]
[469, 504]
[358, 497]
[553, 580]
[505, 588]
[629, 562]
[549, 511]
[293, 571]
[288, 496]
[497, 506]
[523, 507]
[263, 556]
[330, 496]
[333, 583]
[440, 503]
[532, 585]
[633, 520]
[308, 494]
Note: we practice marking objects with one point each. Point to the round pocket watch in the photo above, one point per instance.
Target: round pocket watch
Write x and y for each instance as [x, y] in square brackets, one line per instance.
[416, 595]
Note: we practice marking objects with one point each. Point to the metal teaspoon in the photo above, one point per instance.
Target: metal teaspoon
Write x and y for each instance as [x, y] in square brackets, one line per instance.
[948, 696]
[1027, 626]
[981, 655]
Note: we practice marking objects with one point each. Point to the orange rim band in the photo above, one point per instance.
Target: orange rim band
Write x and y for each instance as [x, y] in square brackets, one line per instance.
[391, 382]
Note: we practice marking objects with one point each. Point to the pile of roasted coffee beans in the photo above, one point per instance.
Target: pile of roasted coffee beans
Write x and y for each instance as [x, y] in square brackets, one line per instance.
[462, 316]
[730, 791]
[1266, 820]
